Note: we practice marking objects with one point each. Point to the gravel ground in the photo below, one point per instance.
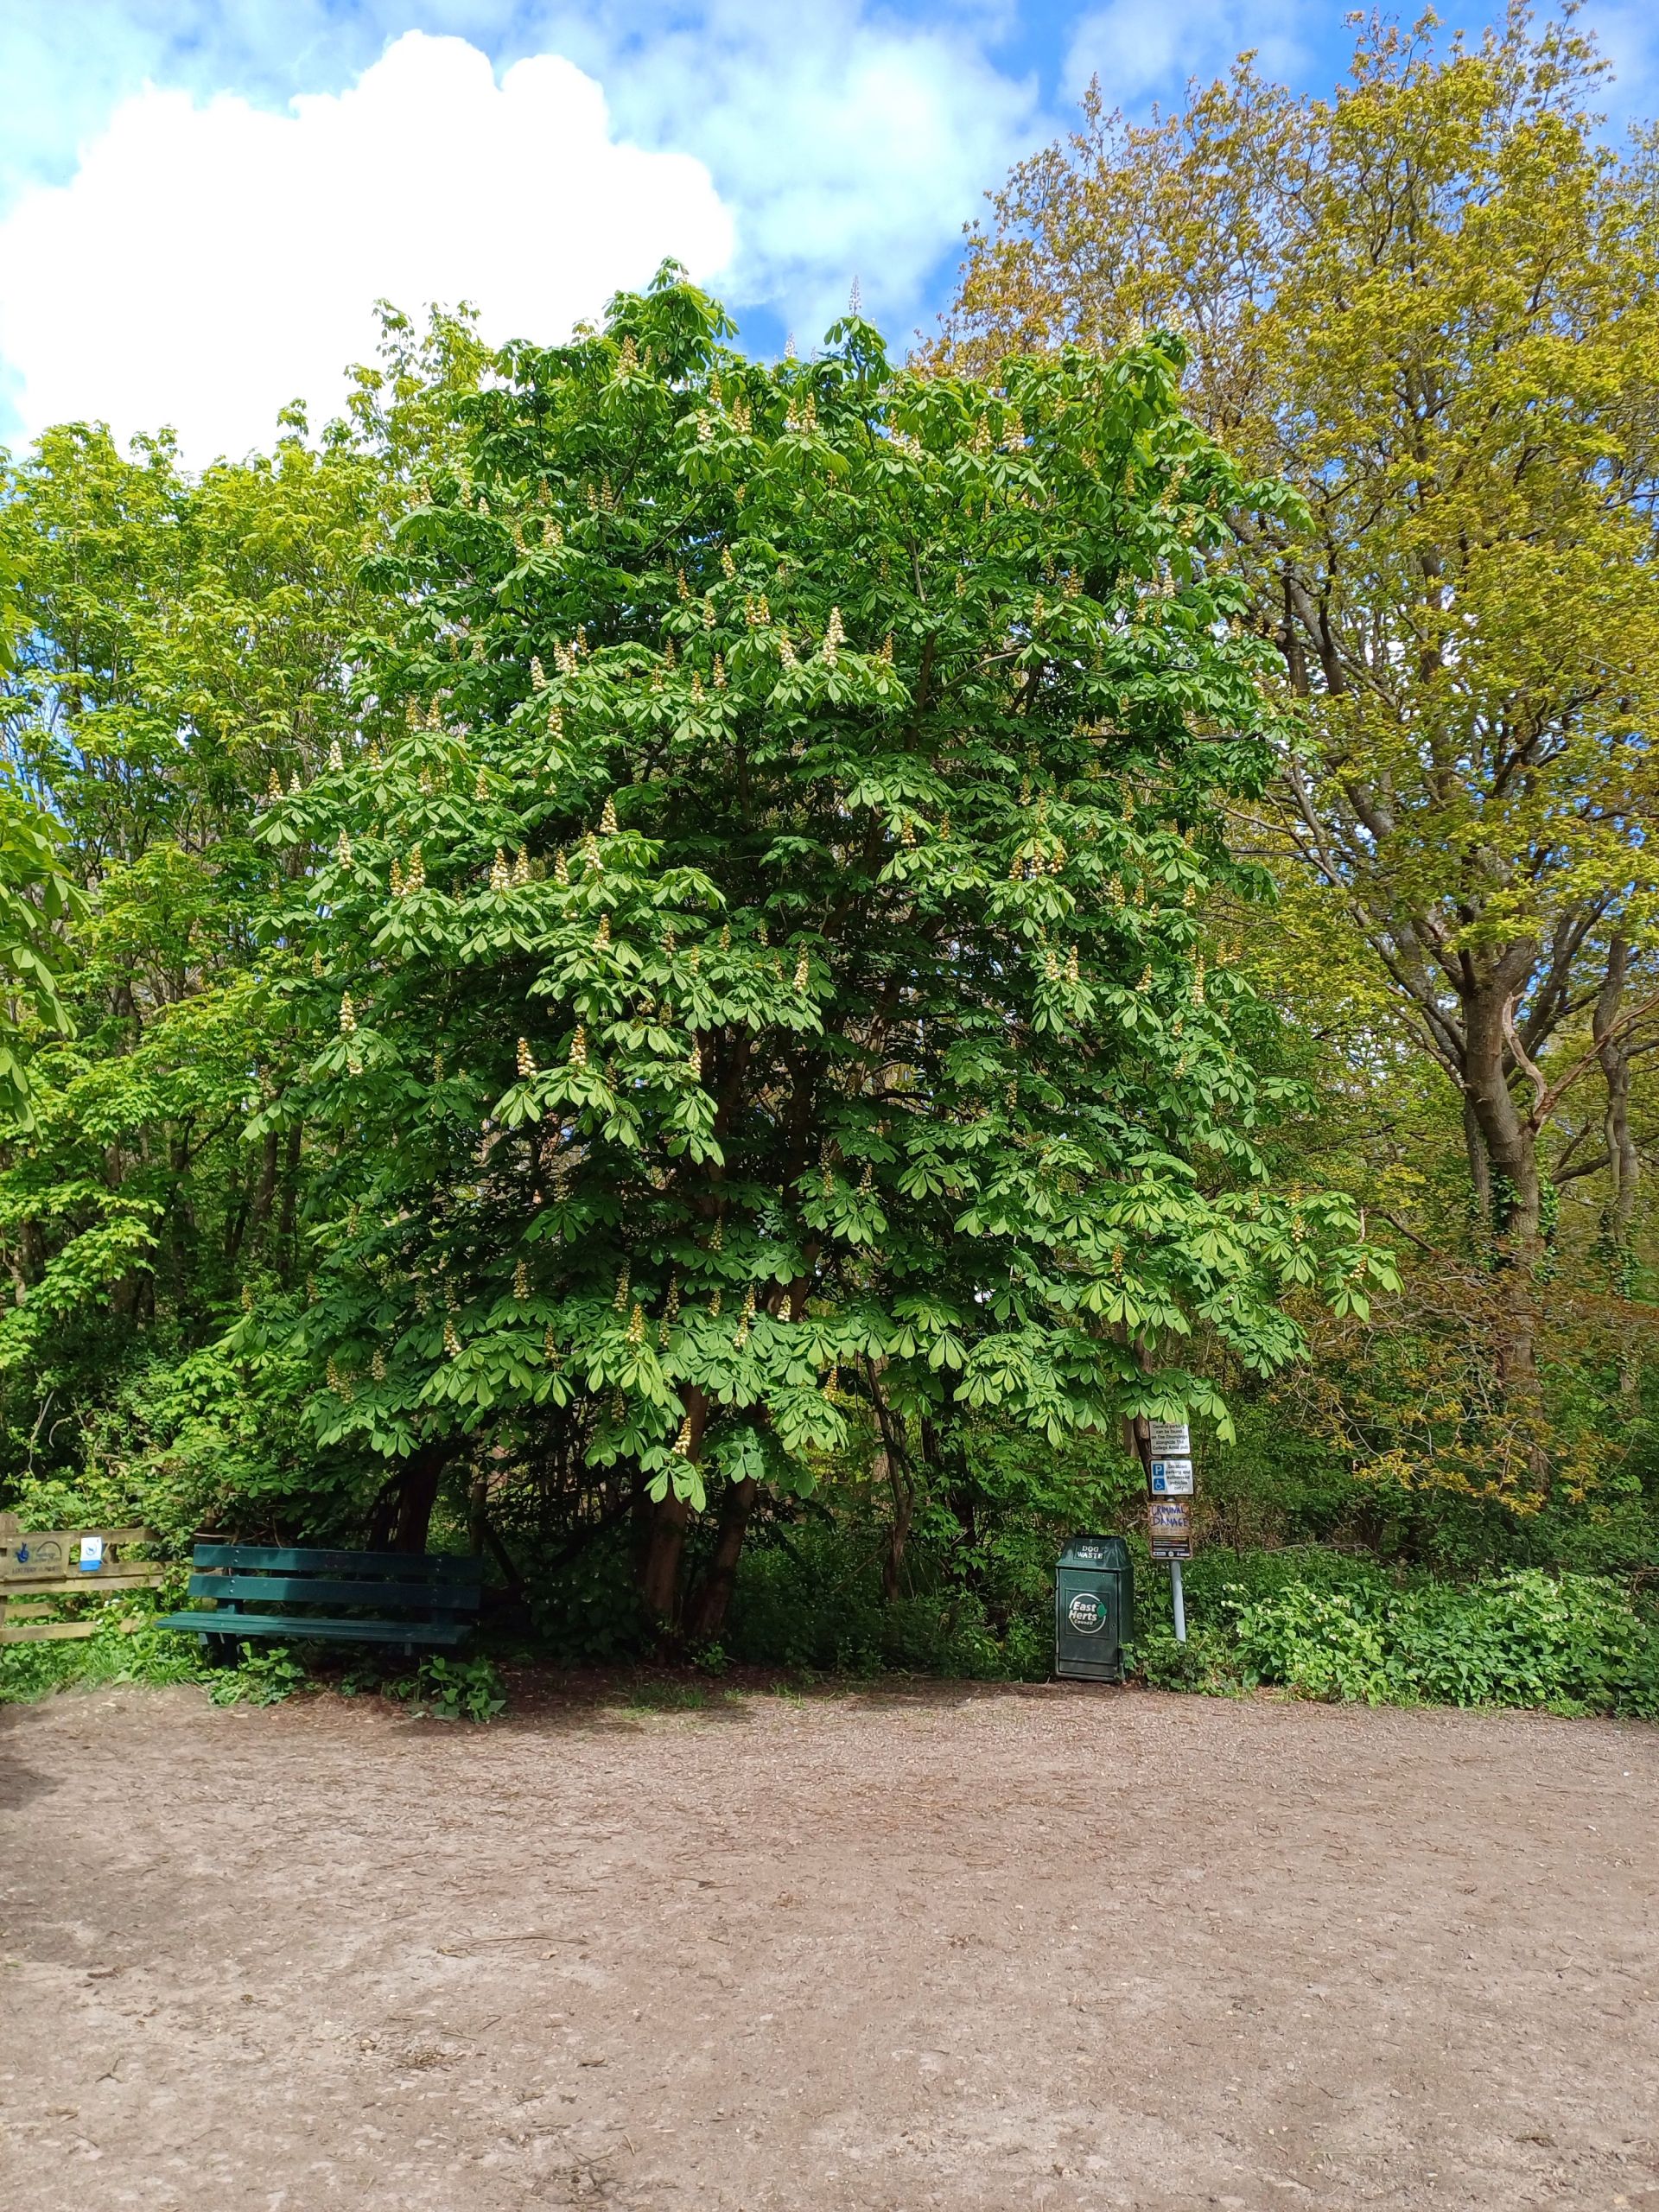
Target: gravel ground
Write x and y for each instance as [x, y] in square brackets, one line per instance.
[955, 1947]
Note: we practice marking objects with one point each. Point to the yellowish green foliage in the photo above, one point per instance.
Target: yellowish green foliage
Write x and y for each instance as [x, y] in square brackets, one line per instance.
[1430, 303]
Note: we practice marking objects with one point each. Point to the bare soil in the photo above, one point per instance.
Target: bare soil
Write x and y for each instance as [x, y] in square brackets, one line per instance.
[965, 1948]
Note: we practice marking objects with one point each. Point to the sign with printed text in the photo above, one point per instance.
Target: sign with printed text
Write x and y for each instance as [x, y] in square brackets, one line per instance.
[1171, 1440]
[1169, 1528]
[1171, 1479]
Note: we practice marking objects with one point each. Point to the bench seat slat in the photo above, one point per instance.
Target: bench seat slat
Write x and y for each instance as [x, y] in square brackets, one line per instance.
[318, 1590]
[356, 1566]
[287, 1626]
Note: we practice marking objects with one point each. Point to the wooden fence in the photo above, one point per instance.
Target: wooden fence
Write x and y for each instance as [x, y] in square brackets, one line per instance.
[40, 1568]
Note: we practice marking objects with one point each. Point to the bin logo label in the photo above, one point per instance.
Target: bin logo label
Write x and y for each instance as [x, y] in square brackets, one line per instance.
[1086, 1613]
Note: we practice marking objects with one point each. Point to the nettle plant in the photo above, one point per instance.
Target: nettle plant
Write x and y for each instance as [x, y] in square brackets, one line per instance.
[756, 958]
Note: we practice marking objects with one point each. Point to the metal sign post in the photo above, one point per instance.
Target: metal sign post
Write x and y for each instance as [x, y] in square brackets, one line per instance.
[1169, 1481]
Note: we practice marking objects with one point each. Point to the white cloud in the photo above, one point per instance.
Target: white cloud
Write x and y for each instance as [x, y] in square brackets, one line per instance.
[206, 264]
[851, 142]
[845, 138]
[1140, 52]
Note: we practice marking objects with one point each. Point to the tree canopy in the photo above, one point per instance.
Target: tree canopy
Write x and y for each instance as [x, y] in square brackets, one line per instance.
[755, 941]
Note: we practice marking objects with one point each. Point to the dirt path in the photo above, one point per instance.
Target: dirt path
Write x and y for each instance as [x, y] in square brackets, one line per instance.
[966, 1948]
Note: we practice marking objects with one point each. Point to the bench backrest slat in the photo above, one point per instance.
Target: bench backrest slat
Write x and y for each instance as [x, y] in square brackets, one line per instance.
[326, 1590]
[423, 1569]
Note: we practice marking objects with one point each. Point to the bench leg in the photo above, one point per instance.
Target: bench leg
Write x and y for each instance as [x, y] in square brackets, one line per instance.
[222, 1650]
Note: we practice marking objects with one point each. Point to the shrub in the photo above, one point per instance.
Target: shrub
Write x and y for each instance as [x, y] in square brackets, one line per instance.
[454, 1689]
[1569, 1643]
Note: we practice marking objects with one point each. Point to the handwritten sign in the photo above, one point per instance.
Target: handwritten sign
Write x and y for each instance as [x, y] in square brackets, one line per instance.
[1169, 1528]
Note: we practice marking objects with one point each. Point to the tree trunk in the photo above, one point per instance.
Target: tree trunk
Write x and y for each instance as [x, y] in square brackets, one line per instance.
[660, 1571]
[290, 1203]
[1512, 1145]
[1623, 1166]
[236, 1222]
[1480, 1171]
[403, 1512]
[641, 1514]
[663, 1549]
[180, 1218]
[903, 1512]
[706, 1614]
[893, 1466]
[267, 1190]
[1509, 1140]
[1137, 1437]
[1624, 1163]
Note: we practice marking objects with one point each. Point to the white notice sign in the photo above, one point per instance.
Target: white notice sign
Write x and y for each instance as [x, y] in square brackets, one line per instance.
[1171, 1440]
[92, 1555]
[1171, 1479]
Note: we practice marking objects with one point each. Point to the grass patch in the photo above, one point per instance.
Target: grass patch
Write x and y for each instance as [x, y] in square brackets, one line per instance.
[676, 1697]
[111, 1655]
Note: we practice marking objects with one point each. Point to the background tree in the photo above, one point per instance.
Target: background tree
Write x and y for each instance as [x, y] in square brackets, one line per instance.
[1430, 303]
[37, 898]
[180, 640]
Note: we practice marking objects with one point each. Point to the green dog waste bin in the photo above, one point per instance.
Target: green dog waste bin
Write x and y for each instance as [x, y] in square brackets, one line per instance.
[1094, 1609]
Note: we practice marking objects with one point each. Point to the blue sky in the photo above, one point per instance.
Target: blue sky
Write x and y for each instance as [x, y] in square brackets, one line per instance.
[199, 200]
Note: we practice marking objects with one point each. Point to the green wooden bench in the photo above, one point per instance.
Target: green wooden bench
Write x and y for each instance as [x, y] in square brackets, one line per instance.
[405, 1599]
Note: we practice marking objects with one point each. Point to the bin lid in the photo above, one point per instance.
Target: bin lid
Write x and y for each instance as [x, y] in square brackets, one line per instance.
[1110, 1553]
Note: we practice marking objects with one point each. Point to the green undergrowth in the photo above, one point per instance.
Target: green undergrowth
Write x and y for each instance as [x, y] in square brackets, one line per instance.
[1567, 1643]
[1318, 1623]
[452, 1690]
[1314, 1623]
[443, 1688]
[110, 1656]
